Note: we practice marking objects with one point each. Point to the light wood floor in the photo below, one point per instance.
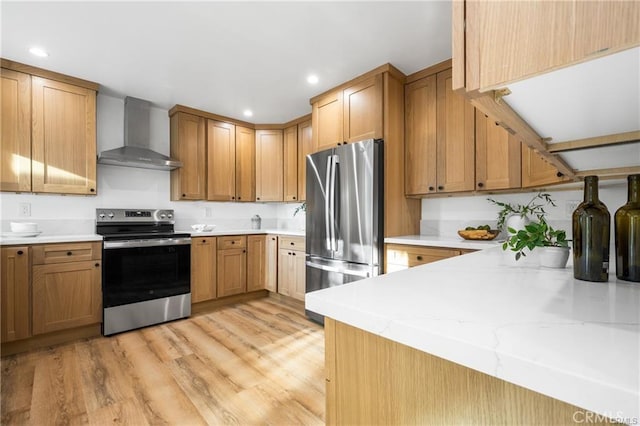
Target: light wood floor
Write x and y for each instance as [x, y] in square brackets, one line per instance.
[260, 362]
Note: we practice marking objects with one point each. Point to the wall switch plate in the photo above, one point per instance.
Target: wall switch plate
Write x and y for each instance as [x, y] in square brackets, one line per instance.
[208, 212]
[570, 207]
[24, 209]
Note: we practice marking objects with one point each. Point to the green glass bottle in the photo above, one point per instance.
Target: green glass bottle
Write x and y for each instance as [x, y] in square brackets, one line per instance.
[627, 230]
[591, 231]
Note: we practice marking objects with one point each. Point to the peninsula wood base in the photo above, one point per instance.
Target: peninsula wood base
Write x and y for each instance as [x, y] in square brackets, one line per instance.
[372, 380]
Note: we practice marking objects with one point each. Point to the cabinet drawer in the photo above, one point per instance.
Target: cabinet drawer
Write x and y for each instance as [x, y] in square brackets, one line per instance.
[292, 243]
[203, 241]
[66, 252]
[406, 256]
[232, 242]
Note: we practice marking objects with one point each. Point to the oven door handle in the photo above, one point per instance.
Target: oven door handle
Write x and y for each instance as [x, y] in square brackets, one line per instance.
[108, 245]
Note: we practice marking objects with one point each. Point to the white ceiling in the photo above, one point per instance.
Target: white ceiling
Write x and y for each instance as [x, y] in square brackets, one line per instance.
[224, 57]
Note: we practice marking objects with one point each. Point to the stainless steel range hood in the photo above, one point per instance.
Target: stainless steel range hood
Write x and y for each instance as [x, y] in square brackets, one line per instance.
[136, 151]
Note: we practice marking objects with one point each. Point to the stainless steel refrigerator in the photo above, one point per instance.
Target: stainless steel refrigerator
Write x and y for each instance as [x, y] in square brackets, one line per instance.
[344, 218]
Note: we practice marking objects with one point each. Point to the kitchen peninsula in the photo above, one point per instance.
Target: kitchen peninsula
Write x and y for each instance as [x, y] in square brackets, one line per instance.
[472, 339]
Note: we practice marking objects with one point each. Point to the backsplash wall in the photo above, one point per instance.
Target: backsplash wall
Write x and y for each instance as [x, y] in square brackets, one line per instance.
[125, 187]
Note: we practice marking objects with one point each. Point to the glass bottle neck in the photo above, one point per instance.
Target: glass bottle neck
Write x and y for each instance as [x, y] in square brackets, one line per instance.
[591, 189]
[634, 188]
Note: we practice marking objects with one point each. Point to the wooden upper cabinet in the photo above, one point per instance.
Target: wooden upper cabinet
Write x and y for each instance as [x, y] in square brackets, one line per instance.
[327, 116]
[455, 138]
[63, 138]
[256, 262]
[291, 163]
[553, 35]
[188, 146]
[269, 175]
[203, 269]
[15, 131]
[305, 147]
[245, 164]
[221, 161]
[537, 172]
[498, 154]
[420, 136]
[362, 104]
[15, 300]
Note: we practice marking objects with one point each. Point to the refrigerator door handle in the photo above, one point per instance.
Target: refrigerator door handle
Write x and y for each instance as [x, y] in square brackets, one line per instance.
[327, 205]
[363, 274]
[332, 206]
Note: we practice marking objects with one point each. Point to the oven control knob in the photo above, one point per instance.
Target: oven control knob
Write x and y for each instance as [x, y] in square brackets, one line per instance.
[110, 215]
[169, 215]
[162, 216]
[101, 215]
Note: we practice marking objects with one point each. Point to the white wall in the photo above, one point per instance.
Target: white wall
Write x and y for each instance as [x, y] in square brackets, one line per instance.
[125, 187]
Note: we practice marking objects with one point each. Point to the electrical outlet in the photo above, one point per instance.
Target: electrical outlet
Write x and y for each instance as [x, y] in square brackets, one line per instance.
[570, 207]
[208, 212]
[24, 209]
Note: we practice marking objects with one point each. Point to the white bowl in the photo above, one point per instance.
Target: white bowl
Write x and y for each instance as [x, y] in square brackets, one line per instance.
[24, 227]
[201, 227]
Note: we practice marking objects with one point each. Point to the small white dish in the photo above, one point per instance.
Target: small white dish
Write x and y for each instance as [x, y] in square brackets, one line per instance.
[201, 227]
[24, 227]
[20, 234]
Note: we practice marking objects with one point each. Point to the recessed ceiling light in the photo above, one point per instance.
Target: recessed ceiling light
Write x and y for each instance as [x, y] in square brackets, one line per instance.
[312, 79]
[248, 113]
[38, 51]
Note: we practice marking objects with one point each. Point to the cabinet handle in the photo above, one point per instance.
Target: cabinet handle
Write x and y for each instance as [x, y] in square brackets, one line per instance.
[69, 253]
[239, 198]
[257, 198]
[20, 252]
[184, 195]
[293, 253]
[292, 243]
[233, 242]
[559, 174]
[92, 190]
[244, 251]
[233, 198]
[344, 143]
[339, 144]
[273, 239]
[204, 241]
[480, 184]
[294, 198]
[97, 265]
[431, 188]
[440, 188]
[419, 257]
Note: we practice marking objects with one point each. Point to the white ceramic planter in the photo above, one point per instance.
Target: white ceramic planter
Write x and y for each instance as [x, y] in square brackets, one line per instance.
[553, 257]
[516, 222]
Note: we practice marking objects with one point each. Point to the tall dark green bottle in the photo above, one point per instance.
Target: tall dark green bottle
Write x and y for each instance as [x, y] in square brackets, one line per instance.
[591, 228]
[627, 229]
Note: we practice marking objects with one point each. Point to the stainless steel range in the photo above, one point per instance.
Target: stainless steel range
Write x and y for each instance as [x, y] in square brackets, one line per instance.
[146, 269]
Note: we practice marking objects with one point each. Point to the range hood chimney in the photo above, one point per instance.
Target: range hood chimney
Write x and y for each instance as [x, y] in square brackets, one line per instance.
[136, 151]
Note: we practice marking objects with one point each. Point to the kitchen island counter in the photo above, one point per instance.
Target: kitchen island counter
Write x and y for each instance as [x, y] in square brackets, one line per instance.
[538, 328]
[224, 232]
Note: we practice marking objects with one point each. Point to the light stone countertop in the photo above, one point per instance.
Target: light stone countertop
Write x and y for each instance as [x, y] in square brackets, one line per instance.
[539, 328]
[437, 241]
[223, 232]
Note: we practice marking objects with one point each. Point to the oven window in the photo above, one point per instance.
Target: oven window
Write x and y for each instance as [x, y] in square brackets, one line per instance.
[137, 274]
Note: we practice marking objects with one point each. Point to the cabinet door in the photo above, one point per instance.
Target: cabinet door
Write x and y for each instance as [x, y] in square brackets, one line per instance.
[286, 271]
[66, 295]
[420, 136]
[256, 262]
[363, 110]
[400, 256]
[305, 147]
[271, 267]
[536, 171]
[327, 116]
[298, 288]
[498, 153]
[15, 304]
[455, 138]
[203, 269]
[269, 160]
[221, 161]
[188, 146]
[15, 131]
[232, 272]
[63, 138]
[291, 163]
[245, 164]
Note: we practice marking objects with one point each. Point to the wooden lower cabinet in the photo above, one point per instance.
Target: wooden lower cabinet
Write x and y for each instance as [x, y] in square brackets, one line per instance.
[203, 269]
[15, 304]
[291, 273]
[232, 265]
[256, 262]
[401, 256]
[271, 263]
[66, 295]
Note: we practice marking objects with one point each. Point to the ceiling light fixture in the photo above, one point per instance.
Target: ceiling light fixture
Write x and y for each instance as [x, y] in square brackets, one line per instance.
[38, 51]
[312, 79]
[248, 113]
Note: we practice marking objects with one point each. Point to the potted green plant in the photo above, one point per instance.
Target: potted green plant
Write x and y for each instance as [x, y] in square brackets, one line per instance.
[301, 208]
[516, 216]
[552, 243]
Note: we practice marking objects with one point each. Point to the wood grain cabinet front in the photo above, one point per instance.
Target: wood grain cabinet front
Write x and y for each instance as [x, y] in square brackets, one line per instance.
[269, 158]
[203, 269]
[231, 266]
[401, 256]
[327, 116]
[271, 266]
[538, 172]
[188, 145]
[305, 147]
[15, 302]
[291, 267]
[256, 262]
[48, 132]
[498, 154]
[291, 163]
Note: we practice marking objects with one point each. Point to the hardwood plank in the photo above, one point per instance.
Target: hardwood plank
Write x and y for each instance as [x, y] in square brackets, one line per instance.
[127, 412]
[16, 389]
